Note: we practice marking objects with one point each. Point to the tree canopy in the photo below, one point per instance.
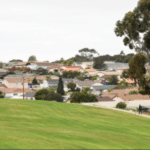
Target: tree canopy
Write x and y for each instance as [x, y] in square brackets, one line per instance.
[88, 53]
[32, 58]
[135, 28]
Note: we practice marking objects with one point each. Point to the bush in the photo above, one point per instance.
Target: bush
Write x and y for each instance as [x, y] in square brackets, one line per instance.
[71, 86]
[1, 92]
[78, 97]
[1, 96]
[113, 79]
[48, 94]
[133, 92]
[94, 78]
[121, 105]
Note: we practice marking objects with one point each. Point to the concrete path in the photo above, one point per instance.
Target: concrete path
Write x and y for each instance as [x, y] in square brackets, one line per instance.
[127, 111]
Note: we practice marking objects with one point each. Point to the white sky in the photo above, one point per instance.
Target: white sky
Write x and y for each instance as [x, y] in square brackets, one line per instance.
[51, 29]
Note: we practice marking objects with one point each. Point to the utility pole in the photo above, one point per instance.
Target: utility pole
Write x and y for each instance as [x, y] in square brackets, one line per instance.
[23, 87]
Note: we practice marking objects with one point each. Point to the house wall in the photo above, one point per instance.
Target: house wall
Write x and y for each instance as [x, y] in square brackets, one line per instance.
[33, 66]
[44, 84]
[11, 95]
[29, 98]
[15, 84]
[101, 74]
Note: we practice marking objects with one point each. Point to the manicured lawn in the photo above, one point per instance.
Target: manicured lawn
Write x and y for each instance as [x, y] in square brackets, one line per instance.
[26, 124]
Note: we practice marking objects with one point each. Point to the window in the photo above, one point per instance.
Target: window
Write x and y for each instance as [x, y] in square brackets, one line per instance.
[16, 83]
[21, 83]
[15, 94]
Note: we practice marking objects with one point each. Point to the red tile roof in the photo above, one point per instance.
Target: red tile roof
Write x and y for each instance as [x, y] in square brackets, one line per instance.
[128, 80]
[14, 90]
[90, 70]
[14, 79]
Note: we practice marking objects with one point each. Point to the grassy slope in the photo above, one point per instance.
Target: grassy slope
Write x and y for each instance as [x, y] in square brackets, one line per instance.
[41, 124]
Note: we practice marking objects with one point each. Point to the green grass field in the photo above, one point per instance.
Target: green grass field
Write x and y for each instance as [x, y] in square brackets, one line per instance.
[26, 124]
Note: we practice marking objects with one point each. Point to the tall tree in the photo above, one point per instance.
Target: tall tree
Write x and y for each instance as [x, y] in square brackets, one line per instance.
[135, 27]
[89, 53]
[71, 86]
[99, 63]
[34, 81]
[122, 56]
[60, 88]
[32, 58]
[137, 69]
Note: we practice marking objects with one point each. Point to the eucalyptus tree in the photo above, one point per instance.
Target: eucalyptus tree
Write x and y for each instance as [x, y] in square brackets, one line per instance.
[135, 28]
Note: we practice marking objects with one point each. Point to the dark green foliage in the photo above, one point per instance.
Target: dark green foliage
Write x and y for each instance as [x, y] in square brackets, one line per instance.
[71, 86]
[34, 81]
[147, 40]
[80, 77]
[78, 89]
[1, 96]
[48, 95]
[1, 65]
[60, 88]
[135, 28]
[137, 67]
[99, 63]
[41, 94]
[16, 60]
[121, 105]
[113, 79]
[125, 74]
[71, 74]
[88, 53]
[54, 96]
[32, 58]
[94, 78]
[123, 85]
[1, 92]
[78, 97]
[133, 92]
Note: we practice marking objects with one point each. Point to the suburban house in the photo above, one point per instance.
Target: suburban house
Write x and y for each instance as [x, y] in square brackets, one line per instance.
[21, 64]
[29, 95]
[115, 65]
[129, 81]
[56, 69]
[54, 82]
[120, 70]
[91, 73]
[83, 84]
[2, 86]
[15, 83]
[74, 68]
[43, 65]
[107, 74]
[15, 93]
[97, 88]
[84, 64]
[29, 79]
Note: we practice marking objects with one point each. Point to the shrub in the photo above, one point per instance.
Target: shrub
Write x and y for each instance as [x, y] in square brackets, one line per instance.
[71, 86]
[113, 79]
[41, 94]
[48, 95]
[121, 105]
[78, 97]
[1, 96]
[1, 92]
[133, 92]
[78, 89]
[34, 81]
[94, 78]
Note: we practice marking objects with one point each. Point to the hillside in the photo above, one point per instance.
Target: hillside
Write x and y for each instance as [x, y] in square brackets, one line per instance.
[26, 124]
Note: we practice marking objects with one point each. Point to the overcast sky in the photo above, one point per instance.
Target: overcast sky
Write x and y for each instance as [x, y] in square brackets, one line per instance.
[51, 29]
